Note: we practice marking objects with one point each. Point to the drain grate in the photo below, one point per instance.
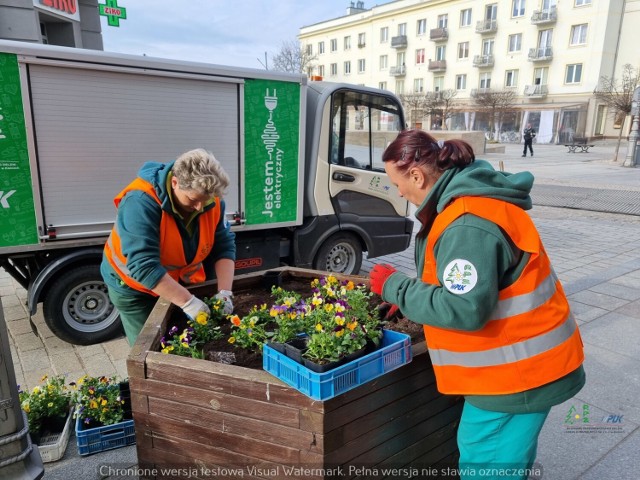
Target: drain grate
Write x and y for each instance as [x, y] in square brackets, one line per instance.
[581, 198]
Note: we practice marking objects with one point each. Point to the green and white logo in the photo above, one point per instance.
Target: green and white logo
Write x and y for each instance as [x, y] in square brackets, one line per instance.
[272, 143]
[17, 212]
[460, 276]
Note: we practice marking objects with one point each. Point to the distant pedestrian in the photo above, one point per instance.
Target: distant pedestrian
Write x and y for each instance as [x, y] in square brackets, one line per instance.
[529, 133]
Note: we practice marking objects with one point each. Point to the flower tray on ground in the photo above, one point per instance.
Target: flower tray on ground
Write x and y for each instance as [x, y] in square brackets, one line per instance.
[53, 445]
[99, 439]
[190, 412]
[394, 352]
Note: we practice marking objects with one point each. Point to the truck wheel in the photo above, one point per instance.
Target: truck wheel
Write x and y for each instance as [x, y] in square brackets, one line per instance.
[341, 253]
[77, 308]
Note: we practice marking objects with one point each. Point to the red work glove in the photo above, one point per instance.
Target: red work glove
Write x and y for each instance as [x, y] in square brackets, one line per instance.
[379, 275]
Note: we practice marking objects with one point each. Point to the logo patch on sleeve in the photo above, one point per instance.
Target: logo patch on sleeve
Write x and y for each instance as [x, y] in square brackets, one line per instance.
[460, 276]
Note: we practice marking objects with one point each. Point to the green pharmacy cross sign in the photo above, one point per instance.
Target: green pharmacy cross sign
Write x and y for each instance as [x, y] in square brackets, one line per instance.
[113, 12]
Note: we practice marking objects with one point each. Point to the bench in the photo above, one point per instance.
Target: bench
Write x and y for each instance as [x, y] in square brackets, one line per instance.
[579, 145]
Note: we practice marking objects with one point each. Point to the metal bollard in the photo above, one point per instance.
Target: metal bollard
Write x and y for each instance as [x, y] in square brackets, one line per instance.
[19, 458]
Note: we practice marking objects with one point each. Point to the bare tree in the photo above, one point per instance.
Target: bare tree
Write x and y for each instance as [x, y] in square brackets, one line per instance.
[415, 105]
[617, 95]
[496, 103]
[293, 58]
[441, 106]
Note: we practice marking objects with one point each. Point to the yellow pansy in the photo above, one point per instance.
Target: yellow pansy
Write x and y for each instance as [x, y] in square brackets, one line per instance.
[202, 318]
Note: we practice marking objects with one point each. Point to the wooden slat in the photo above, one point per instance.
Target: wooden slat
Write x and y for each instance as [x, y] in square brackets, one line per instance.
[278, 414]
[239, 424]
[201, 438]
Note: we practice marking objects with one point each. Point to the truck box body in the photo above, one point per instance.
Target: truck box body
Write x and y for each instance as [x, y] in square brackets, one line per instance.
[76, 126]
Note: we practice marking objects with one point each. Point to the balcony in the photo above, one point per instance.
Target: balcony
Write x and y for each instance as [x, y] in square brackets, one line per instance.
[535, 91]
[544, 17]
[437, 66]
[399, 42]
[479, 91]
[542, 54]
[483, 61]
[487, 26]
[438, 34]
[398, 71]
[361, 44]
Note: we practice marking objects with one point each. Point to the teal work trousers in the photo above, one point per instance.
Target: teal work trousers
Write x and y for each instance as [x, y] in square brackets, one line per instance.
[134, 311]
[495, 445]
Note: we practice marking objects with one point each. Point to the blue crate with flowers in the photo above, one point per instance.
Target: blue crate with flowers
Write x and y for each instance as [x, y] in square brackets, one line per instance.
[394, 352]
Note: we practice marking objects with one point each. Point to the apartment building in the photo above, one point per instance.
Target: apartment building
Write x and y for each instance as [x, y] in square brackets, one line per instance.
[550, 53]
[69, 23]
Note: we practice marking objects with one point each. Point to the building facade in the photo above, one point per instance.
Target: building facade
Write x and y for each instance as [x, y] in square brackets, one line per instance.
[551, 54]
[69, 23]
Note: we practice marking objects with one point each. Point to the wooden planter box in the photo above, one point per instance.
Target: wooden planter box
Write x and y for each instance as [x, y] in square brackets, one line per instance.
[231, 419]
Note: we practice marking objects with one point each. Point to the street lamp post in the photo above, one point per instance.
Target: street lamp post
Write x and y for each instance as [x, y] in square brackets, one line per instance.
[630, 159]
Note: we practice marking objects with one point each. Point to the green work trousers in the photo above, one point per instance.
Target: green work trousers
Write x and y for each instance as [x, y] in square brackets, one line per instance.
[134, 310]
[495, 445]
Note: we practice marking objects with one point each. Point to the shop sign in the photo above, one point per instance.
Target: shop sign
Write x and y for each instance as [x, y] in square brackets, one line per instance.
[64, 8]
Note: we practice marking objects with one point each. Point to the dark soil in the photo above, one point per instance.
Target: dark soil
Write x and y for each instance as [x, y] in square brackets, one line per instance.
[224, 352]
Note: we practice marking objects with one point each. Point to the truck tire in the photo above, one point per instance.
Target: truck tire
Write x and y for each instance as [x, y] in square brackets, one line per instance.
[341, 253]
[77, 308]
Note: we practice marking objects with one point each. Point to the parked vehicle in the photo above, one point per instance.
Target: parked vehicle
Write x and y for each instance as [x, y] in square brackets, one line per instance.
[308, 187]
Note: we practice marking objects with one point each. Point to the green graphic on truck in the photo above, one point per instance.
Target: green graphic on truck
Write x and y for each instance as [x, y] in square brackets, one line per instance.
[272, 137]
[17, 212]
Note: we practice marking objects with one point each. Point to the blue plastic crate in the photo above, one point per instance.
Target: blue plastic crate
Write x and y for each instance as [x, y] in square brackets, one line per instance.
[394, 352]
[98, 439]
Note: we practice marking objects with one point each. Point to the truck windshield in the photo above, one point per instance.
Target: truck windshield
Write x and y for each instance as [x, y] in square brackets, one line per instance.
[363, 124]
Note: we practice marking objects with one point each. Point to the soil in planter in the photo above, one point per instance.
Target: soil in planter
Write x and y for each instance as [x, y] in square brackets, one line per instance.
[224, 352]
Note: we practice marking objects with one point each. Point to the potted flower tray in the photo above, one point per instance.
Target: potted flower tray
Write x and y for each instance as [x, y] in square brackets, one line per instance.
[53, 445]
[241, 421]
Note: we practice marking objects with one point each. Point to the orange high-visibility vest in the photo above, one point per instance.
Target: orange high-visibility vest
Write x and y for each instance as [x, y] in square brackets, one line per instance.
[171, 251]
[531, 338]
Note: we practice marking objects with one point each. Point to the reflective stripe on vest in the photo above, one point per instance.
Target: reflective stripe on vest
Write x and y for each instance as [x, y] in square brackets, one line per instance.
[530, 339]
[171, 258]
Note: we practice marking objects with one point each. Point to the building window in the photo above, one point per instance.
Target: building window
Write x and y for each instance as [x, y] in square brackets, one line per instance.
[511, 78]
[382, 85]
[422, 26]
[518, 8]
[347, 67]
[461, 82]
[574, 73]
[438, 84]
[321, 70]
[485, 80]
[402, 29]
[420, 56]
[440, 52]
[465, 17]
[384, 34]
[418, 85]
[463, 50]
[579, 34]
[443, 21]
[399, 87]
[347, 42]
[309, 49]
[320, 48]
[361, 65]
[333, 68]
[515, 42]
[384, 62]
[580, 3]
[334, 45]
[362, 40]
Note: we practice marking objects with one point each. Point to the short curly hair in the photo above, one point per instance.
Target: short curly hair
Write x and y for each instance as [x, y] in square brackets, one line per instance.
[198, 170]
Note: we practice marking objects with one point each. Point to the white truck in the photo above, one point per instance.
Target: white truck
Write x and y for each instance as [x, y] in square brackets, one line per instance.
[308, 185]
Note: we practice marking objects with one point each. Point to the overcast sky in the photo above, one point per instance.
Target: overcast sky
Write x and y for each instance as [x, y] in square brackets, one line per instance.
[226, 32]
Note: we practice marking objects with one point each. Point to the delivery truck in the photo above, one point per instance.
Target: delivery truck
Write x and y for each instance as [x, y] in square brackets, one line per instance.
[308, 186]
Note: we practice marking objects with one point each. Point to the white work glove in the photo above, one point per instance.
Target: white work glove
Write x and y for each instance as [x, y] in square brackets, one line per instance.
[194, 306]
[226, 297]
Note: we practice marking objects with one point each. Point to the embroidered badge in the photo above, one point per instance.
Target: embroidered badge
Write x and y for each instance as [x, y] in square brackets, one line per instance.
[460, 276]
